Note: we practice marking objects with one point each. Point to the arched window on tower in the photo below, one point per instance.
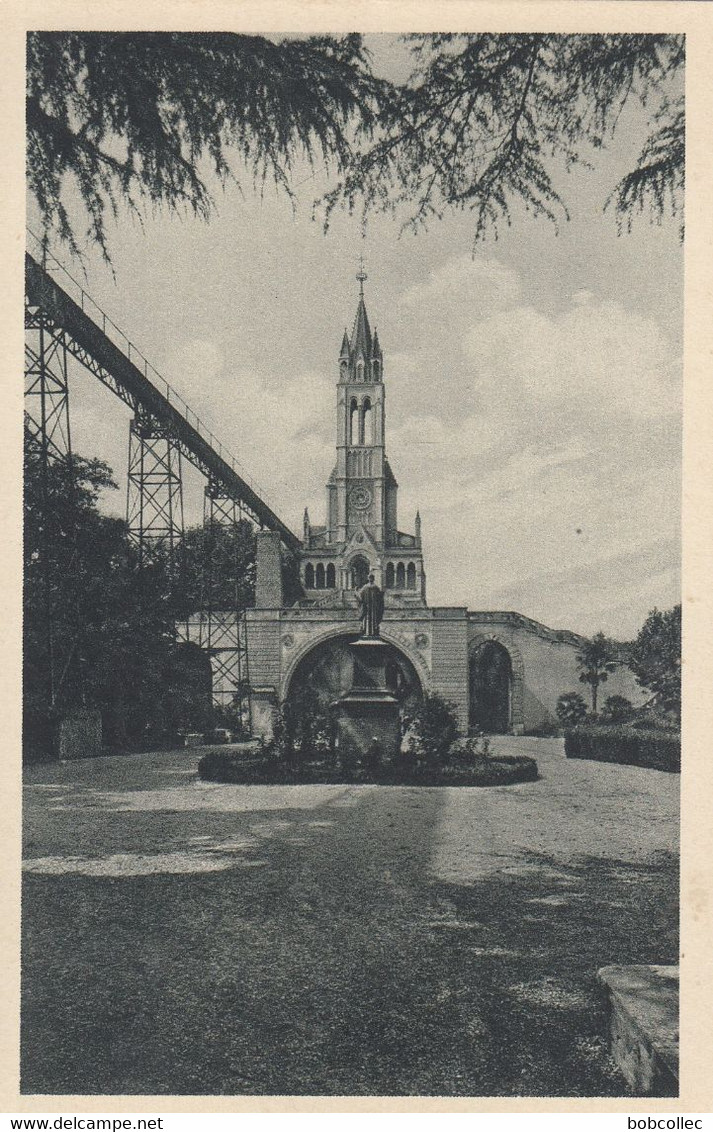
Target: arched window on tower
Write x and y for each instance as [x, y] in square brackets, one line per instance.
[367, 423]
[331, 576]
[400, 576]
[411, 576]
[390, 576]
[319, 576]
[353, 422]
[309, 576]
[375, 370]
[360, 370]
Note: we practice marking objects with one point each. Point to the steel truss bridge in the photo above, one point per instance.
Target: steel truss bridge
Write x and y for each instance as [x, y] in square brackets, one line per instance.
[163, 433]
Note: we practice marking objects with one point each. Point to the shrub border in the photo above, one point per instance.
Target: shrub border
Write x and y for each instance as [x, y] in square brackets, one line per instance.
[656, 750]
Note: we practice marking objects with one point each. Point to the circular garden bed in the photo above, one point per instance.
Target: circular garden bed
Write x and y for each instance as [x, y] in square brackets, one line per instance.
[273, 769]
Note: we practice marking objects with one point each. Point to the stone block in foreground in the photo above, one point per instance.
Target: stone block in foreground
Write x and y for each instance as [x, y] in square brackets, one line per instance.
[644, 1026]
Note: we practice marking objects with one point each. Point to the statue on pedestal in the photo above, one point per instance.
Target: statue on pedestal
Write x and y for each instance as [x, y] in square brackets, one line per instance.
[368, 715]
[371, 609]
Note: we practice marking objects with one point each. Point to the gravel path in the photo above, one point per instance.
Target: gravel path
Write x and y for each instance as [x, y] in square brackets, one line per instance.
[192, 938]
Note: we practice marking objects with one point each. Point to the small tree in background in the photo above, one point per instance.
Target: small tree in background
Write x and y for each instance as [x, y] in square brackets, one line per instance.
[617, 709]
[433, 727]
[595, 662]
[571, 709]
[655, 657]
[304, 729]
[98, 630]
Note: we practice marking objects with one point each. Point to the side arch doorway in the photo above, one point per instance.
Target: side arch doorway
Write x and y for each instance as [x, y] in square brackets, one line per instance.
[491, 689]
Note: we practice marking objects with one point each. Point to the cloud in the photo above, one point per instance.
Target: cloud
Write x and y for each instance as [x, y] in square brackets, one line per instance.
[282, 432]
[594, 359]
[540, 442]
[462, 284]
[545, 458]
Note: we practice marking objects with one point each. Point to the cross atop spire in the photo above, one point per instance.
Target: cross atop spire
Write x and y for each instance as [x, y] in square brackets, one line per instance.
[361, 276]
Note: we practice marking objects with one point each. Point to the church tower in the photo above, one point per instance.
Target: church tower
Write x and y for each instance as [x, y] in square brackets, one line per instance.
[358, 492]
[361, 533]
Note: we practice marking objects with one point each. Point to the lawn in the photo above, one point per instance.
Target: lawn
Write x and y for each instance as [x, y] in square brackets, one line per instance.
[183, 937]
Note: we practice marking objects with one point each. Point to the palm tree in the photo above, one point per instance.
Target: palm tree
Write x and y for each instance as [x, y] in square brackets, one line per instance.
[596, 660]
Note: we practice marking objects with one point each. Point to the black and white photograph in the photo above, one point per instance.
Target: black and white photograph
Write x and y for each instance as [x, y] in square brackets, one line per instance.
[351, 676]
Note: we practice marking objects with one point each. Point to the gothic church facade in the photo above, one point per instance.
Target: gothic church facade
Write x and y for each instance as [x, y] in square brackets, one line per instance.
[503, 671]
[361, 534]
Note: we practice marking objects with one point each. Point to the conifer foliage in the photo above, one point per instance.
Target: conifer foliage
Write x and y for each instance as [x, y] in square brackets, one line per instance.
[144, 117]
[483, 122]
[484, 119]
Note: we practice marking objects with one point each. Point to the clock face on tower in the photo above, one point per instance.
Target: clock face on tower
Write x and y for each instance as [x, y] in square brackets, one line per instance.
[360, 498]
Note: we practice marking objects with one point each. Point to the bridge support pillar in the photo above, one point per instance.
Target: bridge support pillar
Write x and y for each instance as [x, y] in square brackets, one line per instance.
[154, 502]
[48, 451]
[46, 386]
[223, 628]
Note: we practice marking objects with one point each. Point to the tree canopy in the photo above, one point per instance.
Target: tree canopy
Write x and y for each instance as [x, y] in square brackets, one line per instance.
[655, 657]
[480, 123]
[481, 117]
[143, 116]
[217, 567]
[97, 630]
[596, 660]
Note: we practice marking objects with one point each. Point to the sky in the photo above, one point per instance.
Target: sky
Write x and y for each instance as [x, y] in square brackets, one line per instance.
[533, 385]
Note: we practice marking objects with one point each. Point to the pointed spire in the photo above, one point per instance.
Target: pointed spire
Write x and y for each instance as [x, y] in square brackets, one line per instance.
[418, 528]
[361, 334]
[344, 352]
[375, 345]
[306, 526]
[361, 276]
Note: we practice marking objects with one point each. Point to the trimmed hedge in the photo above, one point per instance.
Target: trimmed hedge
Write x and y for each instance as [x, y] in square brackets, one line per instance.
[658, 750]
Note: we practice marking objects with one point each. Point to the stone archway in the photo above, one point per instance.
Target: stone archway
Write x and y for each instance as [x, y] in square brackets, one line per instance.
[495, 683]
[324, 672]
[390, 636]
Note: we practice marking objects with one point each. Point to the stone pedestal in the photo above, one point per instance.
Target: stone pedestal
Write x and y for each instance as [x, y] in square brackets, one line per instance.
[369, 711]
[264, 708]
[79, 735]
[644, 1026]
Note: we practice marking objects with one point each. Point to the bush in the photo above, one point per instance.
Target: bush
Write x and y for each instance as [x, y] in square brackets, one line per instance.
[616, 709]
[652, 717]
[230, 717]
[303, 729]
[468, 752]
[433, 728]
[659, 750]
[233, 766]
[548, 729]
[571, 709]
[266, 766]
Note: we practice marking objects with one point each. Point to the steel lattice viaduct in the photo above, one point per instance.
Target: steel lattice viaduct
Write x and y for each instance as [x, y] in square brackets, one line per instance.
[502, 670]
